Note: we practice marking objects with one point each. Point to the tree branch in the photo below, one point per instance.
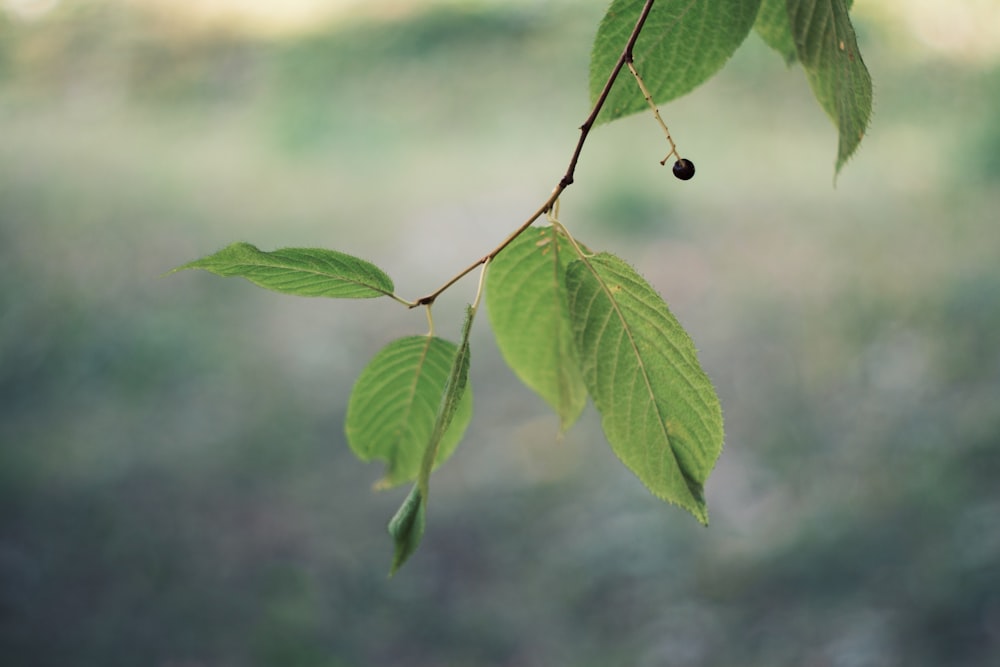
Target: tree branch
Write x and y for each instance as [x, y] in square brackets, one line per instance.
[626, 56]
[567, 179]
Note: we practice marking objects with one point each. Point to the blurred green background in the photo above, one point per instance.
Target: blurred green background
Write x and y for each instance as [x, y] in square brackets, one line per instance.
[175, 488]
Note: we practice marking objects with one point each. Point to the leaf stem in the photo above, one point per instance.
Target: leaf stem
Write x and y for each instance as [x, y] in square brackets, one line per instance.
[565, 232]
[567, 178]
[482, 282]
[396, 297]
[656, 110]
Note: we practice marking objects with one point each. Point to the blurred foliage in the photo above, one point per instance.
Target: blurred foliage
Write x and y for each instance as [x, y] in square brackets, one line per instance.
[175, 488]
[986, 142]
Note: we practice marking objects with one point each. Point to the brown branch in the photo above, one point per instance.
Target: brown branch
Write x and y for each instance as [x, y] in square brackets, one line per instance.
[567, 179]
[626, 56]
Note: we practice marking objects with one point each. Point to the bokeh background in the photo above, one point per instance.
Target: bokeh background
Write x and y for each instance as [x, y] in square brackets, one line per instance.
[175, 488]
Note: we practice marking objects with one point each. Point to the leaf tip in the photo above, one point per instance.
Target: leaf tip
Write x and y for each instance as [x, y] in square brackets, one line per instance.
[701, 515]
[407, 528]
[176, 269]
[698, 509]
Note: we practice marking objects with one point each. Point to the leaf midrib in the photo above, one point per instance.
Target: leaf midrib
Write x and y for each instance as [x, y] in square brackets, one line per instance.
[411, 398]
[314, 272]
[660, 419]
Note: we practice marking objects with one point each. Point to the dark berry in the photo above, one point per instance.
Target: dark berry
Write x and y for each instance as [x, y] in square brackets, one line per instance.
[684, 169]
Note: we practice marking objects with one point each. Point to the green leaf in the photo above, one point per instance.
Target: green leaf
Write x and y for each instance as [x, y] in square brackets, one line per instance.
[393, 409]
[407, 528]
[526, 297]
[828, 50]
[774, 28]
[450, 408]
[659, 410]
[299, 271]
[683, 43]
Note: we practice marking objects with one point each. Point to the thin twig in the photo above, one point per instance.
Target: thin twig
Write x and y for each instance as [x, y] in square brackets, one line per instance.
[603, 97]
[567, 179]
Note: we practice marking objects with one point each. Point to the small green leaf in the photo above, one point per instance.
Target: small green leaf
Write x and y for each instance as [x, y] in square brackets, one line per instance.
[828, 49]
[683, 43]
[526, 297]
[299, 271]
[407, 528]
[393, 410]
[450, 408]
[659, 410]
[774, 28]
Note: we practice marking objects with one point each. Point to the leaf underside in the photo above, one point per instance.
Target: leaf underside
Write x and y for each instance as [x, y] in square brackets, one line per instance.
[299, 271]
[393, 408]
[683, 43]
[774, 28]
[526, 299]
[659, 410]
[827, 46]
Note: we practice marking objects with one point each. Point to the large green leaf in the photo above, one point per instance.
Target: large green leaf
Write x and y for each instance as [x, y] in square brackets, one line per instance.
[774, 28]
[683, 43]
[393, 409]
[299, 271]
[659, 410]
[828, 49]
[526, 297]
[407, 528]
